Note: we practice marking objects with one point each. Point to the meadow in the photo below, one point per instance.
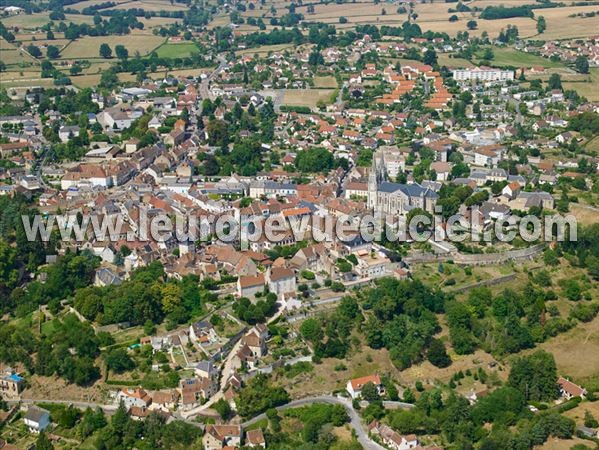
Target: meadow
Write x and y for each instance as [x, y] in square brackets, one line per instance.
[88, 46]
[181, 50]
[306, 97]
[589, 88]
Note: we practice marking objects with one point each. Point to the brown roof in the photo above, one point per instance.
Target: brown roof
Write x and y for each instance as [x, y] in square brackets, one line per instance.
[278, 273]
[251, 281]
[571, 388]
[358, 383]
[255, 437]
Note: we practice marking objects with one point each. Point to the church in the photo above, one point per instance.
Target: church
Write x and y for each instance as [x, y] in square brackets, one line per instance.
[393, 198]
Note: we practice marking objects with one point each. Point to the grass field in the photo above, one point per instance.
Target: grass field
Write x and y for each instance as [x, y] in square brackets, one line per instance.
[37, 20]
[588, 89]
[306, 97]
[151, 5]
[88, 46]
[445, 60]
[264, 49]
[181, 50]
[325, 82]
[505, 56]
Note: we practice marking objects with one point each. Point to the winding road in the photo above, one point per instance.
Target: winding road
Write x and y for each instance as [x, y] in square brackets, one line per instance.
[356, 423]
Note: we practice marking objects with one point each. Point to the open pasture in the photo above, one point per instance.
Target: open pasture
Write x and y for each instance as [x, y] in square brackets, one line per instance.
[37, 20]
[88, 47]
[151, 5]
[181, 50]
[306, 97]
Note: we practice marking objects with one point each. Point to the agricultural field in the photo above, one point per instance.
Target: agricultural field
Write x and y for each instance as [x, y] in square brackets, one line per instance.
[181, 50]
[265, 49]
[37, 20]
[87, 3]
[445, 60]
[325, 82]
[505, 56]
[306, 97]
[560, 26]
[589, 88]
[88, 46]
[151, 5]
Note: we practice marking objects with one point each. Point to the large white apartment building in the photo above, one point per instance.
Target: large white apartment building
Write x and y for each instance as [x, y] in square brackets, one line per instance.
[483, 74]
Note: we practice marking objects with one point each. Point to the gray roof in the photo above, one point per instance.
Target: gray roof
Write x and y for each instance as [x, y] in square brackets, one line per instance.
[411, 190]
[36, 414]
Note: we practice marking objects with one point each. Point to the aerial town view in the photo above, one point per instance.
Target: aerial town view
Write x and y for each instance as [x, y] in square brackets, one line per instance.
[297, 224]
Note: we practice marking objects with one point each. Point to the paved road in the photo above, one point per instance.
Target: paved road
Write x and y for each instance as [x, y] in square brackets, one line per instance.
[108, 409]
[356, 423]
[205, 84]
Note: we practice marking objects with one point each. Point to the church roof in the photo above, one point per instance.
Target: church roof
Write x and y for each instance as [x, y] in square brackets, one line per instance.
[411, 190]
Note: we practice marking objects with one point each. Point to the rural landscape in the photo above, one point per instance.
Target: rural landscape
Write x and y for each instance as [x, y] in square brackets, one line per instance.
[286, 224]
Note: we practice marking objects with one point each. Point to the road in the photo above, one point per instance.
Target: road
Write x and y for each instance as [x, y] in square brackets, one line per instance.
[356, 423]
[108, 409]
[205, 84]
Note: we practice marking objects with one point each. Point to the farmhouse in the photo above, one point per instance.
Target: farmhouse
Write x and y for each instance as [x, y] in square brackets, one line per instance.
[569, 390]
[354, 387]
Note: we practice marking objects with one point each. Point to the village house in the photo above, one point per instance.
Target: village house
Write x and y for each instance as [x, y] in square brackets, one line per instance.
[393, 439]
[217, 437]
[248, 285]
[36, 419]
[203, 332]
[354, 387]
[281, 281]
[134, 397]
[569, 390]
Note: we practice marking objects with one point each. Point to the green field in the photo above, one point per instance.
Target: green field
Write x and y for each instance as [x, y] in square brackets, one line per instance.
[588, 89]
[516, 58]
[182, 50]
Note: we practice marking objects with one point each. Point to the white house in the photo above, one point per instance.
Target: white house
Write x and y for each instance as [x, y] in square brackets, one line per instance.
[134, 397]
[37, 419]
[281, 280]
[66, 133]
[354, 387]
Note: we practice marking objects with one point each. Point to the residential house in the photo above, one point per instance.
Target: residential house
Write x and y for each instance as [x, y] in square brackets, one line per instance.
[354, 387]
[217, 437]
[570, 390]
[393, 439]
[37, 419]
[281, 281]
[203, 332]
[249, 285]
[134, 397]
[255, 438]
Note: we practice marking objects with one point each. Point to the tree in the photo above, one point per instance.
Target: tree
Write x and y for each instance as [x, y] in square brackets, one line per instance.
[34, 51]
[370, 392]
[472, 24]
[582, 64]
[555, 81]
[430, 57]
[488, 54]
[52, 52]
[453, 18]
[50, 35]
[223, 408]
[119, 361]
[311, 330]
[43, 443]
[541, 24]
[105, 51]
[589, 420]
[437, 354]
[121, 52]
[535, 376]
[75, 69]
